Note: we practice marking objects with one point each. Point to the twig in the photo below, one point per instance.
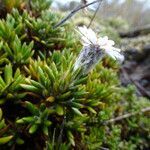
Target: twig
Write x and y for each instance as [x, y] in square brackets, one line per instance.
[61, 131]
[92, 19]
[53, 139]
[140, 89]
[73, 12]
[127, 78]
[119, 118]
[30, 6]
[147, 109]
[104, 148]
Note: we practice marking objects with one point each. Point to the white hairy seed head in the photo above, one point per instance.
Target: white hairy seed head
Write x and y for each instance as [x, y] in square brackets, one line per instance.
[94, 49]
[88, 57]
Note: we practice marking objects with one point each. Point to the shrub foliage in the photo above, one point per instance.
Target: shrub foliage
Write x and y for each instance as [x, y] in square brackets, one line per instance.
[45, 104]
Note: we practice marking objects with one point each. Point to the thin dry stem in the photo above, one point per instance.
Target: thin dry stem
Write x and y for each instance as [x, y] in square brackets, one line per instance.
[147, 109]
[74, 11]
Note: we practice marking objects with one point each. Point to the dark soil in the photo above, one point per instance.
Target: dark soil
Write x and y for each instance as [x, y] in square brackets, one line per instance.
[136, 70]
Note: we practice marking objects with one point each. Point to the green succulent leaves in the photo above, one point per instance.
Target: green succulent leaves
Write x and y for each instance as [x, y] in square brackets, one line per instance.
[3, 138]
[10, 84]
[19, 53]
[39, 118]
[44, 99]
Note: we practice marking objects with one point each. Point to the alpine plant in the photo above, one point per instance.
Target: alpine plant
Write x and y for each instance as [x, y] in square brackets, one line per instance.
[94, 49]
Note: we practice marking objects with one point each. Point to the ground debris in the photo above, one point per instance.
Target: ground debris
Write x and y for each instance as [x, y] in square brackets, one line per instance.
[136, 69]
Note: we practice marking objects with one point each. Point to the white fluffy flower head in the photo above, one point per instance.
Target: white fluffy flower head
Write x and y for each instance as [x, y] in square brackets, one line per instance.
[89, 37]
[94, 49]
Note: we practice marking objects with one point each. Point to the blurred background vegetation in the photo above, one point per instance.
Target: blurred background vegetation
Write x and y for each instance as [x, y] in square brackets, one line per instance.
[135, 12]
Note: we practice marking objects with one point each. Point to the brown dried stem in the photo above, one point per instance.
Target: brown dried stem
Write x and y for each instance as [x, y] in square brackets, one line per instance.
[119, 118]
[74, 11]
[147, 109]
[93, 17]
